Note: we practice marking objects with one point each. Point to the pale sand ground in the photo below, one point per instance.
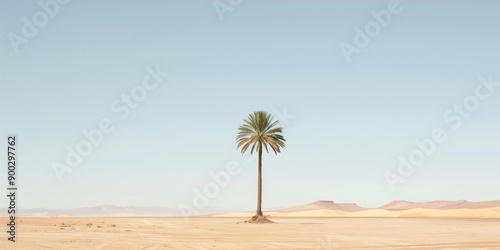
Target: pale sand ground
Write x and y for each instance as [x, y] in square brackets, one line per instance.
[225, 233]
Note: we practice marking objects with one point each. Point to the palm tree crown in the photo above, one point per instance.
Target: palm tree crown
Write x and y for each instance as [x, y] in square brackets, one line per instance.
[260, 130]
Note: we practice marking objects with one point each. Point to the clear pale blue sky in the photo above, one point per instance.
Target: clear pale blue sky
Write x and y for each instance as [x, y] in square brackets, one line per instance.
[352, 121]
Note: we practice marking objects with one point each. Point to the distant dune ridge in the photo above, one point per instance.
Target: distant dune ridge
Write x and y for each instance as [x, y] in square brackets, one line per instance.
[451, 209]
[441, 205]
[321, 208]
[112, 211]
[392, 206]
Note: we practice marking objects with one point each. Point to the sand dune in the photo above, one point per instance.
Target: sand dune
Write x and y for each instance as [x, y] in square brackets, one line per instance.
[395, 209]
[407, 207]
[416, 212]
[454, 213]
[423, 212]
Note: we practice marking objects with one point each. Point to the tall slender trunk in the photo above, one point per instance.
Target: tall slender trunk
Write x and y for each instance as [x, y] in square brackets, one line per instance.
[259, 195]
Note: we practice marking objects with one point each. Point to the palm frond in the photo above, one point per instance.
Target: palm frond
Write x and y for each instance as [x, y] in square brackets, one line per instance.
[260, 129]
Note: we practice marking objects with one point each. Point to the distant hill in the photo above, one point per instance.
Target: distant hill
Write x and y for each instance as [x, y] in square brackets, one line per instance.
[323, 204]
[112, 211]
[440, 205]
[392, 206]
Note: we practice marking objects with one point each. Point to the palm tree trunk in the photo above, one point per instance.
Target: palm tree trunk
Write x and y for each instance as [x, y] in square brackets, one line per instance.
[259, 195]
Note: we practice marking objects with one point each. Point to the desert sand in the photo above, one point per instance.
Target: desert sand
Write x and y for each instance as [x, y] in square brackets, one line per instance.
[377, 213]
[226, 233]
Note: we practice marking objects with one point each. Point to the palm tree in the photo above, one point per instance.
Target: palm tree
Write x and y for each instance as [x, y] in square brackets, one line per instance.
[260, 130]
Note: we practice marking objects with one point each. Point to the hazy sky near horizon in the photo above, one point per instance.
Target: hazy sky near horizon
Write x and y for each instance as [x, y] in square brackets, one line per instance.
[352, 121]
